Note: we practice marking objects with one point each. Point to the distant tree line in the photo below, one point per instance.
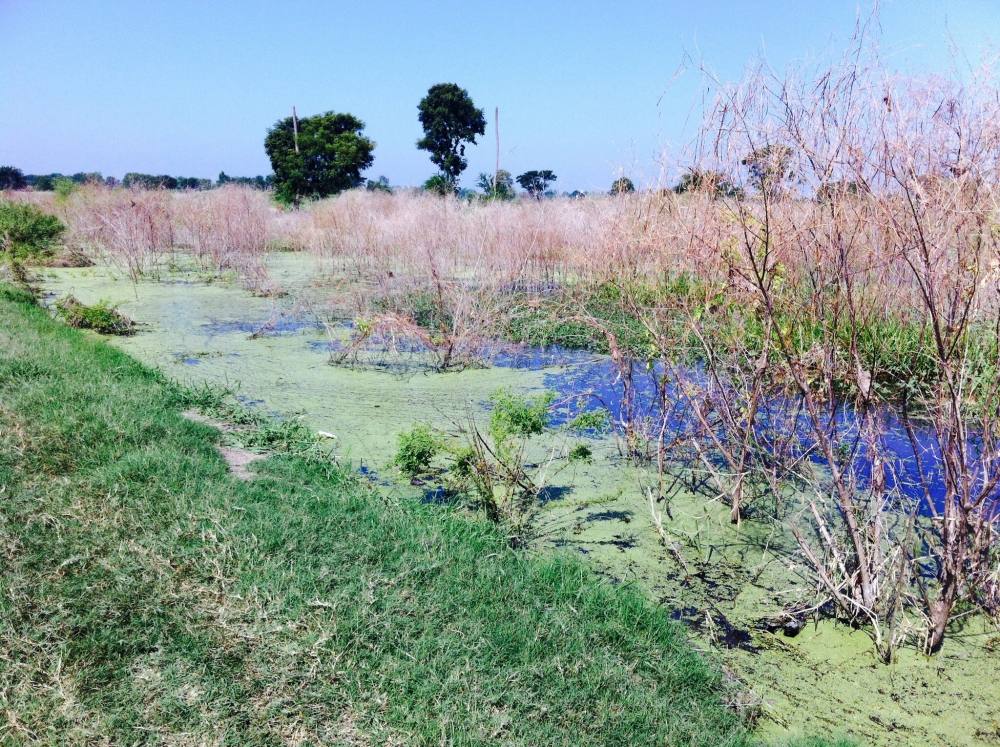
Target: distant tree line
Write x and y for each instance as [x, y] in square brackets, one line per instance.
[324, 154]
[13, 178]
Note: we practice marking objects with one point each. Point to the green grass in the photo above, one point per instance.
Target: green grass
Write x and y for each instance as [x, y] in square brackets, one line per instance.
[148, 597]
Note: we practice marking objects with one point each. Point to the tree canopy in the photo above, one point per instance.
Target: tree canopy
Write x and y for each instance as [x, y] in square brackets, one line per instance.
[450, 120]
[769, 167]
[622, 185]
[12, 178]
[439, 184]
[536, 182]
[500, 187]
[332, 153]
[694, 180]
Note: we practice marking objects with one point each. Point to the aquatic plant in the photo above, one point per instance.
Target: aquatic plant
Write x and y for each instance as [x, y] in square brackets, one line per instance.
[493, 464]
[101, 317]
[416, 450]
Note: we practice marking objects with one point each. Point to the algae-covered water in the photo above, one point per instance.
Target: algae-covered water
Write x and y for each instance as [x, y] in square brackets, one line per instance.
[718, 579]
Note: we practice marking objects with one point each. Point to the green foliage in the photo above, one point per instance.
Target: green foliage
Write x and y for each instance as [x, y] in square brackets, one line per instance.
[769, 167]
[63, 188]
[101, 317]
[828, 192]
[598, 420]
[580, 453]
[332, 153]
[44, 182]
[516, 415]
[423, 307]
[714, 182]
[27, 233]
[252, 429]
[500, 188]
[416, 450]
[180, 593]
[439, 185]
[379, 185]
[622, 186]
[535, 183]
[450, 120]
[12, 178]
[257, 182]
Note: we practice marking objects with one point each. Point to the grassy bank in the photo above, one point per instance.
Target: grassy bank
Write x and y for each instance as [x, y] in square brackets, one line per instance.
[147, 593]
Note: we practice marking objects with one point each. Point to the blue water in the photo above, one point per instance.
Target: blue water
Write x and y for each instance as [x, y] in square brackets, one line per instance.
[593, 381]
[585, 381]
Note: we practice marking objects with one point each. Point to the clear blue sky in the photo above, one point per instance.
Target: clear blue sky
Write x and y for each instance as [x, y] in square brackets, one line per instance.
[585, 88]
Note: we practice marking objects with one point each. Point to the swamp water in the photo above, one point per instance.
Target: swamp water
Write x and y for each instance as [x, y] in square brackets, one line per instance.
[825, 680]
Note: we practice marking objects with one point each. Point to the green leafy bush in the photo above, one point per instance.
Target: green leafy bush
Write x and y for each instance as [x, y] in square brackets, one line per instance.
[598, 421]
[417, 449]
[101, 317]
[516, 415]
[27, 233]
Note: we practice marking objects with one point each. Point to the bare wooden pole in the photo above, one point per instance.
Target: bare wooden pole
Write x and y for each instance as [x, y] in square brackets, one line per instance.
[295, 129]
[496, 129]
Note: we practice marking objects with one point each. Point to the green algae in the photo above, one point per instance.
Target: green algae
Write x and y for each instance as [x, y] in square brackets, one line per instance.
[721, 579]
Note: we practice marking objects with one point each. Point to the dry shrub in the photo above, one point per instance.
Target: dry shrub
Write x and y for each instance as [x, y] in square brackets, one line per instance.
[132, 229]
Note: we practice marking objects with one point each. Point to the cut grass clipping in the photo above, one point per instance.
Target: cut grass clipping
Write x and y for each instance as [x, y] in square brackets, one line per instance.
[147, 596]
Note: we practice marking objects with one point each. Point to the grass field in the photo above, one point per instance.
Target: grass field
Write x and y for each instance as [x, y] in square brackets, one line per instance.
[149, 597]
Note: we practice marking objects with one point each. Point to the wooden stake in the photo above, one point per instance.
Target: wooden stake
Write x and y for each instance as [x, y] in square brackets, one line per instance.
[496, 128]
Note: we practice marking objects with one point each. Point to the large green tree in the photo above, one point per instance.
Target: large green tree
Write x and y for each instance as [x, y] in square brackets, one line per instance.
[497, 187]
[536, 182]
[622, 186]
[450, 120]
[332, 152]
[12, 178]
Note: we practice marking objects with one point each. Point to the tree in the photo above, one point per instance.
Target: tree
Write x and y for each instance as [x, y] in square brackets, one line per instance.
[694, 180]
[43, 182]
[379, 185]
[622, 185]
[829, 192]
[26, 234]
[87, 177]
[329, 158]
[149, 181]
[64, 187]
[536, 182]
[12, 178]
[450, 120]
[500, 187]
[439, 184]
[769, 168]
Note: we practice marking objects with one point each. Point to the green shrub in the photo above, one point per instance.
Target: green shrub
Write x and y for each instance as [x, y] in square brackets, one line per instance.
[516, 415]
[101, 317]
[64, 188]
[598, 420]
[417, 449]
[27, 233]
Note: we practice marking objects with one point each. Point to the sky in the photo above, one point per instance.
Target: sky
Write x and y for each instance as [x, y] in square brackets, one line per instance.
[589, 89]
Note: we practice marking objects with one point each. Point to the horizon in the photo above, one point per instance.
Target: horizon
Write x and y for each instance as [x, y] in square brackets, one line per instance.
[597, 93]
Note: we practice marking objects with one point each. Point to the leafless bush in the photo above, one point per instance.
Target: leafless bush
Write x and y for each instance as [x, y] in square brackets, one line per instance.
[899, 237]
[131, 228]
